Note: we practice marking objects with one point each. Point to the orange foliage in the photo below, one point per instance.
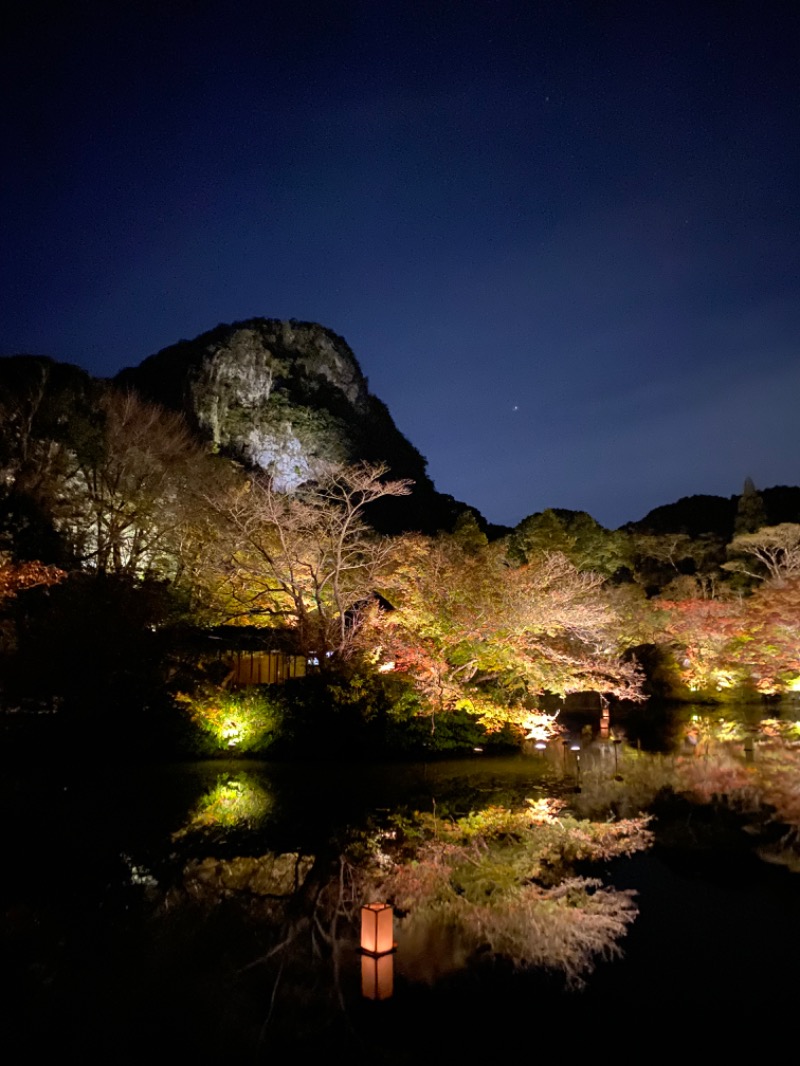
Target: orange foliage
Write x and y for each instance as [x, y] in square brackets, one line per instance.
[719, 644]
[16, 577]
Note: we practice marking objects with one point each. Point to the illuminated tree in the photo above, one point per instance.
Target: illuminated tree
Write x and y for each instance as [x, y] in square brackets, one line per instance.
[115, 477]
[773, 629]
[775, 548]
[705, 637]
[47, 414]
[16, 577]
[472, 630]
[306, 560]
[125, 505]
[720, 646]
[675, 564]
[587, 544]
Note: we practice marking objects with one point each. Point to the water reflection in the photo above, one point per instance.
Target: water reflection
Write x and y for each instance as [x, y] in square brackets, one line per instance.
[219, 906]
[237, 800]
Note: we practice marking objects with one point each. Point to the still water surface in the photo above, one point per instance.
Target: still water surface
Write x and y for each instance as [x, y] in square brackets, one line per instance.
[124, 938]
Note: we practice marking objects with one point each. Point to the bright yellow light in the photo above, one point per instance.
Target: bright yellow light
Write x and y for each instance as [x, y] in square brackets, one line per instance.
[234, 800]
[539, 725]
[545, 811]
[723, 679]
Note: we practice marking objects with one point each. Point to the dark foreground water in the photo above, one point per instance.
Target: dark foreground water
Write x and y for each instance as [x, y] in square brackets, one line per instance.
[134, 929]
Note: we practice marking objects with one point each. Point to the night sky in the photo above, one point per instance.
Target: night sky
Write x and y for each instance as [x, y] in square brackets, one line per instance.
[560, 237]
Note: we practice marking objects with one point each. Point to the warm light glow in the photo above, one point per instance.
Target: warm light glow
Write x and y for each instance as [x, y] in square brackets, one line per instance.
[545, 811]
[377, 976]
[377, 928]
[234, 801]
[232, 733]
[540, 726]
[723, 679]
[238, 721]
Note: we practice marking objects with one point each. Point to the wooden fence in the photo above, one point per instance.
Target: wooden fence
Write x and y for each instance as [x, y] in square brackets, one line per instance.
[265, 667]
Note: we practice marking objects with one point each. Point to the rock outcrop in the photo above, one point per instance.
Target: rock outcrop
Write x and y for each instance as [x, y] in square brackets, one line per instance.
[287, 397]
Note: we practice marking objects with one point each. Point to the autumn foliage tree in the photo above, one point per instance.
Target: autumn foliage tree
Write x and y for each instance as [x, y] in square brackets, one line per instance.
[721, 647]
[774, 624]
[96, 478]
[306, 560]
[470, 628]
[130, 499]
[17, 577]
[772, 551]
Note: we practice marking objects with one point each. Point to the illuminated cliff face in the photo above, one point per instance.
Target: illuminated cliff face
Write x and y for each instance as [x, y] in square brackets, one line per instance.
[285, 396]
[290, 398]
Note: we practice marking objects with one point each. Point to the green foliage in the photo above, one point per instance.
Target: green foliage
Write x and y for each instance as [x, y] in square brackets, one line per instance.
[240, 722]
[348, 713]
[459, 731]
[236, 801]
[468, 534]
[587, 544]
[750, 511]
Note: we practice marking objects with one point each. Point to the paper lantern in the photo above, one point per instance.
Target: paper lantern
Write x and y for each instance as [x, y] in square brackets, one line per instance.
[377, 928]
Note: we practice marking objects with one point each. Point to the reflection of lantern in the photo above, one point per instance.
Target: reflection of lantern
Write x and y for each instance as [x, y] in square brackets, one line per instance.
[377, 947]
[377, 975]
[377, 933]
[605, 718]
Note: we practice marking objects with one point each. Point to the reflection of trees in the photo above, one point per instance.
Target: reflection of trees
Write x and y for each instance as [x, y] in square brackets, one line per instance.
[281, 928]
[278, 932]
[745, 772]
[505, 883]
[236, 801]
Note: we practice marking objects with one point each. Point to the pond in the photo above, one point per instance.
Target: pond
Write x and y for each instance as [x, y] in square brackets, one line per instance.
[170, 907]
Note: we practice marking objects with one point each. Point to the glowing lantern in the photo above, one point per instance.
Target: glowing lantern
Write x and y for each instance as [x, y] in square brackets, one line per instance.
[605, 718]
[377, 975]
[377, 928]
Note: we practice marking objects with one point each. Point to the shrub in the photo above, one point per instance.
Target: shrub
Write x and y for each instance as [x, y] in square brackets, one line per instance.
[240, 722]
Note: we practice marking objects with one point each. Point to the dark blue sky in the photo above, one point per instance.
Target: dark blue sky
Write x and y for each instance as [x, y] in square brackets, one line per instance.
[561, 237]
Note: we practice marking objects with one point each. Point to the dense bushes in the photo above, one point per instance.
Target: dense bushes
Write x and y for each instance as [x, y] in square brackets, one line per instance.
[343, 714]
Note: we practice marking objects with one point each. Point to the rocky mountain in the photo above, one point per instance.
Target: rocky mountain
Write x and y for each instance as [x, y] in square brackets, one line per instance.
[287, 396]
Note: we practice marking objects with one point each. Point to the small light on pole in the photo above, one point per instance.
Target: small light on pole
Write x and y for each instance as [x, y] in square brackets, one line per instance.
[577, 749]
[617, 774]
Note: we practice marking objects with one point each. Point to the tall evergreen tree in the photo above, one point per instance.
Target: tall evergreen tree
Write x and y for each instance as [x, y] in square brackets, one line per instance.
[750, 511]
